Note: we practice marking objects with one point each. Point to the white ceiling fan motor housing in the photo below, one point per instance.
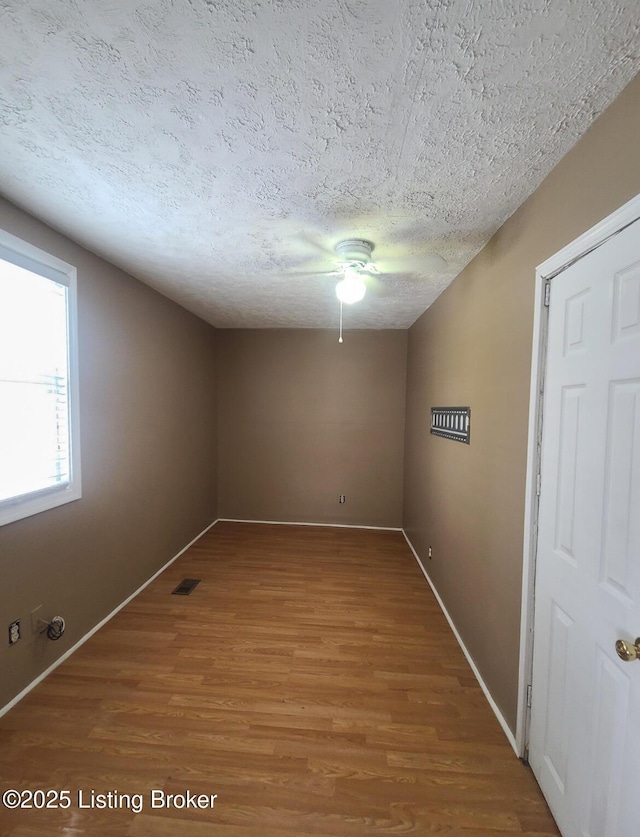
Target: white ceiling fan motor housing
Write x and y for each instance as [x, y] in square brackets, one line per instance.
[354, 251]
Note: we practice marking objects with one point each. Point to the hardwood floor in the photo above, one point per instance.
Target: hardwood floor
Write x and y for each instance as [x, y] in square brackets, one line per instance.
[310, 681]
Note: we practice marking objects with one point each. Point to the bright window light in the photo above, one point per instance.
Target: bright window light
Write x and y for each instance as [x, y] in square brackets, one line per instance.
[39, 450]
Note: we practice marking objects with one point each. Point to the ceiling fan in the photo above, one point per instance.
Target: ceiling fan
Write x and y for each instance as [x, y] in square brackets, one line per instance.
[354, 265]
[356, 271]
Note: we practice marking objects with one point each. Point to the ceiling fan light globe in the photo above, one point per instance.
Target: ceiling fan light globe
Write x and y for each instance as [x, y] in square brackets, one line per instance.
[350, 290]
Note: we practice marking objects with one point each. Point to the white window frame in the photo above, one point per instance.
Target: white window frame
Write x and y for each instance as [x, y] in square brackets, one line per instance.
[23, 254]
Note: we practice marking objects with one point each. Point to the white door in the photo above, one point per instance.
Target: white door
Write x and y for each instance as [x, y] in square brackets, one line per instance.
[584, 742]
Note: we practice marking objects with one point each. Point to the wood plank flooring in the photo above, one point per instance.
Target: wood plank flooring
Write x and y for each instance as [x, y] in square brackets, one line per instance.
[310, 682]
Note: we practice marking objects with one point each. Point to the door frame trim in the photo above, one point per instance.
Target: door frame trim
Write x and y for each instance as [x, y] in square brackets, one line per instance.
[584, 244]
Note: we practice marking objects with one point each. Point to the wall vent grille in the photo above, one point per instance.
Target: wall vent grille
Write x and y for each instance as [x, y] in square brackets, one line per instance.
[452, 423]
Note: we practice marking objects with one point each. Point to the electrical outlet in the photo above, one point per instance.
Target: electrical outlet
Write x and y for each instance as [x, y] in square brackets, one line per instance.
[342, 499]
[430, 553]
[14, 632]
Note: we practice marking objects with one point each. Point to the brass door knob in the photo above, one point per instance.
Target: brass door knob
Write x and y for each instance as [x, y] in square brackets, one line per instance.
[628, 651]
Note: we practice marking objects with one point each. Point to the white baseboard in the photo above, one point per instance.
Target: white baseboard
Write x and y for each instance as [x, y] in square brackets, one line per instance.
[97, 627]
[304, 523]
[483, 685]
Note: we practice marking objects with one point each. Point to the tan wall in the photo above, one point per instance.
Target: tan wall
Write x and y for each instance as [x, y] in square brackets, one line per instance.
[304, 419]
[473, 347]
[148, 414]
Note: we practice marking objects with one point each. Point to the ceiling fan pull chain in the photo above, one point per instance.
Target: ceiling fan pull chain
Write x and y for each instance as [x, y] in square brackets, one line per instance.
[340, 340]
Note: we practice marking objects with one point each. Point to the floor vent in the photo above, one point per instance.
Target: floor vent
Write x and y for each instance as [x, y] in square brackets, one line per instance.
[186, 586]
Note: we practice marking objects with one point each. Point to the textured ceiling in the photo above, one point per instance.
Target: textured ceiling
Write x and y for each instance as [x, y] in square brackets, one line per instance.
[219, 149]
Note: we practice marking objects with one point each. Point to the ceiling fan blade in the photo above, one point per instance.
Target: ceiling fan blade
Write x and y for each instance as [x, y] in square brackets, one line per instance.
[383, 284]
[377, 286]
[314, 242]
[424, 263]
[309, 273]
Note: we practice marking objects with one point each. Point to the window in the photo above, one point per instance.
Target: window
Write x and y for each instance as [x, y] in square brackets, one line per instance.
[39, 427]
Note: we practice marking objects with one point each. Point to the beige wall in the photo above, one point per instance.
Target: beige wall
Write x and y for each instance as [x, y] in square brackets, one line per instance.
[148, 416]
[304, 419]
[473, 347]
